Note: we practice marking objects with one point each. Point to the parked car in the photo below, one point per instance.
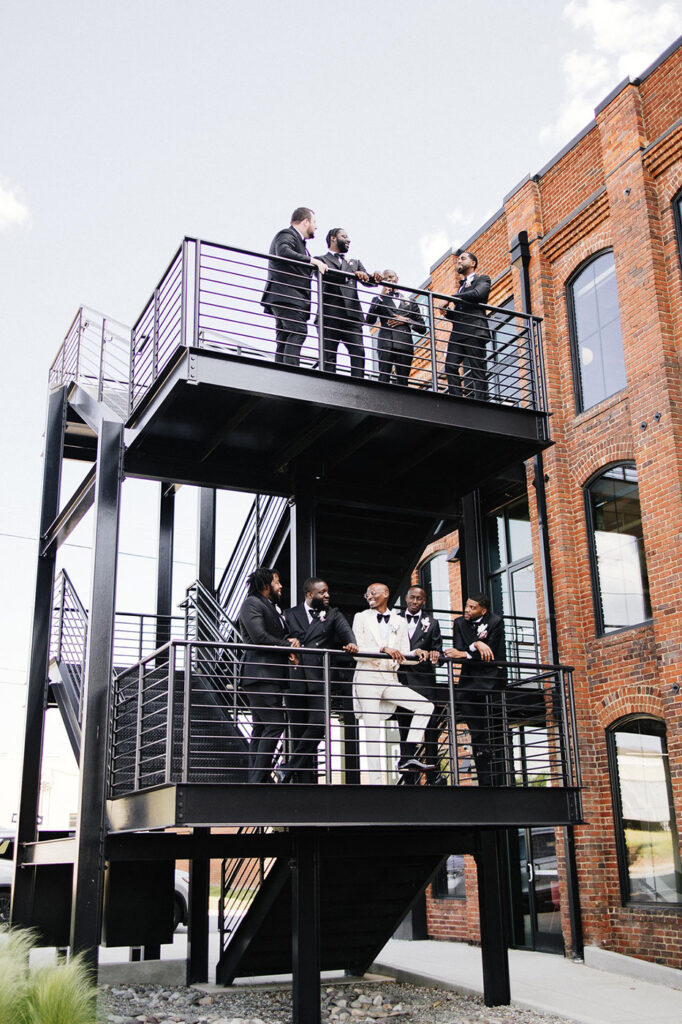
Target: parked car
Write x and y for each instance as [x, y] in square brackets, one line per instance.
[181, 899]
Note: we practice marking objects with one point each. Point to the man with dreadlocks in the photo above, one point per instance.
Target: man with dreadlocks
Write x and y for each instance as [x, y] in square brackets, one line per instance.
[265, 674]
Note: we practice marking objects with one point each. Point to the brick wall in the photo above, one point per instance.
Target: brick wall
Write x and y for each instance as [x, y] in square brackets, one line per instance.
[633, 159]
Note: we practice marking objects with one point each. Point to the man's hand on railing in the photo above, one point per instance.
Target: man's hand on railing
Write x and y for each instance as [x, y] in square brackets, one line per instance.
[294, 641]
[322, 267]
[393, 653]
[351, 648]
[422, 655]
[362, 276]
[454, 654]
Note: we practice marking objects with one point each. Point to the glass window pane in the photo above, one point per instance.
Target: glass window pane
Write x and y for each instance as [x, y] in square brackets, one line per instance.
[648, 826]
[435, 577]
[598, 341]
[619, 549]
[520, 538]
[449, 883]
[497, 545]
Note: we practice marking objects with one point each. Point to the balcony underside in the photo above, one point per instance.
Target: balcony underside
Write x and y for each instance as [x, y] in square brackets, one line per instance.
[342, 806]
[216, 420]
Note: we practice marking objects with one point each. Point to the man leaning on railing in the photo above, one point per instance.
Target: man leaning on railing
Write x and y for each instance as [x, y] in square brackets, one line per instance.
[377, 690]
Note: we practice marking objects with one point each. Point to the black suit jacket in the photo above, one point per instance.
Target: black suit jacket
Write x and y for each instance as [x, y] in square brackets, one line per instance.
[421, 676]
[340, 291]
[288, 284]
[477, 674]
[260, 623]
[383, 308]
[333, 631]
[469, 323]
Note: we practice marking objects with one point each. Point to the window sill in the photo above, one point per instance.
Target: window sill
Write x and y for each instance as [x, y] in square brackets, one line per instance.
[620, 633]
[601, 407]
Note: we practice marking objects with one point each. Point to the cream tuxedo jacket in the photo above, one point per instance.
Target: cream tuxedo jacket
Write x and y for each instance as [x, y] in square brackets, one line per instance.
[373, 675]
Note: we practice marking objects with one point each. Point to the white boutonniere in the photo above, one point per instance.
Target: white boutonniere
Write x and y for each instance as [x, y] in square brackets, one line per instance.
[394, 627]
[426, 624]
[482, 630]
[278, 609]
[322, 616]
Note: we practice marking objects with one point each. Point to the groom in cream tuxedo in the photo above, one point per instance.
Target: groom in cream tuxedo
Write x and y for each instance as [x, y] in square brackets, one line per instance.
[377, 690]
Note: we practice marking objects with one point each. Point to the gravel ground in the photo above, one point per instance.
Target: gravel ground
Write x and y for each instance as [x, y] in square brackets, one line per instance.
[362, 1003]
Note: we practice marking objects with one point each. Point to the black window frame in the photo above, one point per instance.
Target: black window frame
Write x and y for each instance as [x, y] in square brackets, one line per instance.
[580, 406]
[657, 728]
[439, 883]
[600, 630]
[677, 217]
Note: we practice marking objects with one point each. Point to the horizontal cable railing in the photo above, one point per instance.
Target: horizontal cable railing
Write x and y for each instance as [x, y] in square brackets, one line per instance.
[69, 635]
[137, 634]
[214, 297]
[258, 533]
[318, 716]
[96, 354]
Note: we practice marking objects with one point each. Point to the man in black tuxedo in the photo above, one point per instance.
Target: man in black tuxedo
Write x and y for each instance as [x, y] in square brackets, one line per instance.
[470, 332]
[426, 643]
[265, 674]
[343, 318]
[314, 623]
[398, 316]
[287, 291]
[478, 638]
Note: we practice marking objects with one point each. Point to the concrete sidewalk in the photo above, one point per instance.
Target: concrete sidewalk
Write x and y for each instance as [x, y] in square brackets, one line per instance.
[541, 981]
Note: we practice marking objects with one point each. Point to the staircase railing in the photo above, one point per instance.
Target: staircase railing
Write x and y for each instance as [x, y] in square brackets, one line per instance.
[240, 882]
[96, 354]
[205, 619]
[69, 633]
[253, 546]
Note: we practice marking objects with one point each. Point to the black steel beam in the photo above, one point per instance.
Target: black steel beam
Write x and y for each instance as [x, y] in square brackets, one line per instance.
[230, 424]
[88, 875]
[164, 565]
[305, 928]
[22, 889]
[471, 546]
[492, 912]
[335, 806]
[206, 538]
[305, 439]
[197, 916]
[71, 514]
[302, 538]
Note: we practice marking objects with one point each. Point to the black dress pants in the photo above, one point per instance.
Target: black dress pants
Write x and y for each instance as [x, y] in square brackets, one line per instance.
[351, 337]
[482, 712]
[470, 354]
[391, 354]
[268, 723]
[305, 712]
[291, 329]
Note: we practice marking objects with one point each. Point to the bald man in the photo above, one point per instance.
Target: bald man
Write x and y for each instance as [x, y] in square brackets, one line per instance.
[398, 316]
[377, 690]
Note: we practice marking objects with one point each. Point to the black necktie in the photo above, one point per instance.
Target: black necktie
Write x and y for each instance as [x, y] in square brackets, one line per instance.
[412, 618]
[382, 618]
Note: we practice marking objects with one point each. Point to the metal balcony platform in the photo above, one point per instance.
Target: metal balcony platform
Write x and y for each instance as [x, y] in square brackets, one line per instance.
[214, 419]
[204, 804]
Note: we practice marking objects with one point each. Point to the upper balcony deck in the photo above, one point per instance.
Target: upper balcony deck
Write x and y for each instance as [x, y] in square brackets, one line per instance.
[205, 400]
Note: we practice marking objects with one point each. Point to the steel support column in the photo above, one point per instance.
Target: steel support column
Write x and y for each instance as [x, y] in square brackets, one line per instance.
[302, 544]
[471, 546]
[164, 568]
[493, 914]
[200, 868]
[88, 869]
[305, 929]
[22, 889]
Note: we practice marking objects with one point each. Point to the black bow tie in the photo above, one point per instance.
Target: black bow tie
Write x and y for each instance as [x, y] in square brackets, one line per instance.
[382, 618]
[412, 618]
[315, 613]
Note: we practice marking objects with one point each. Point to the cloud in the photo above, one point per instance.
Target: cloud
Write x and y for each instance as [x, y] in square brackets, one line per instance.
[432, 244]
[13, 212]
[621, 37]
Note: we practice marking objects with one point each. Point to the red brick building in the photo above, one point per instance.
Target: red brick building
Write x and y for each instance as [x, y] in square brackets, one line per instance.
[604, 230]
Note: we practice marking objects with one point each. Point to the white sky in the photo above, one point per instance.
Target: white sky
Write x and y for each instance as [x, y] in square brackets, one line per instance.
[129, 124]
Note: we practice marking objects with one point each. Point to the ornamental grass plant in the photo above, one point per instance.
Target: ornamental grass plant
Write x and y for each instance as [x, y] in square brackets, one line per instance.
[61, 994]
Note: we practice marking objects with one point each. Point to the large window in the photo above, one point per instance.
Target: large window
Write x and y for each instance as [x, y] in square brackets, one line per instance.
[621, 586]
[511, 576]
[646, 833]
[435, 579]
[599, 367]
[677, 211]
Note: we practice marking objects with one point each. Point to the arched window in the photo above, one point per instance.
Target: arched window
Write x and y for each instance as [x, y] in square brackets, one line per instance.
[614, 520]
[594, 321]
[646, 832]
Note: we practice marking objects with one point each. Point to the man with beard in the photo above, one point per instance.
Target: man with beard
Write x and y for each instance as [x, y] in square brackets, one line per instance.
[342, 315]
[314, 623]
[478, 638]
[470, 332]
[426, 643]
[265, 674]
[287, 291]
[398, 316]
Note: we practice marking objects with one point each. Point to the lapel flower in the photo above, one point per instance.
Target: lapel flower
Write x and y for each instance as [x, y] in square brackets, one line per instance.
[482, 630]
[322, 616]
[426, 624]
